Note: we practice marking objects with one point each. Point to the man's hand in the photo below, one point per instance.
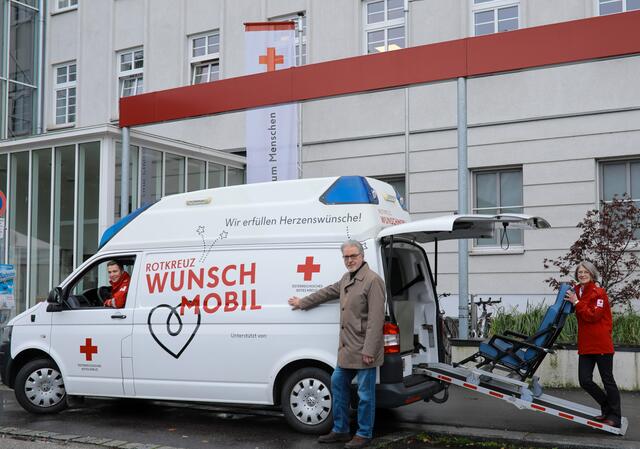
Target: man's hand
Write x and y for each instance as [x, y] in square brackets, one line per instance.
[294, 302]
[367, 359]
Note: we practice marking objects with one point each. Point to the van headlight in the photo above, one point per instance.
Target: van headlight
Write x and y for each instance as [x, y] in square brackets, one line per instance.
[5, 334]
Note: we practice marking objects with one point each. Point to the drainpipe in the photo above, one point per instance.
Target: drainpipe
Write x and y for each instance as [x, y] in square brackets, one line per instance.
[41, 68]
[299, 64]
[463, 244]
[407, 131]
[124, 179]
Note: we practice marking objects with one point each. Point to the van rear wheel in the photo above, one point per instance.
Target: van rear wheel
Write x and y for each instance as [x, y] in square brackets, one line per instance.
[39, 387]
[306, 401]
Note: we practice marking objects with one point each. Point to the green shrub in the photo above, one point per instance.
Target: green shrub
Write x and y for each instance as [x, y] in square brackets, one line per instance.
[626, 326]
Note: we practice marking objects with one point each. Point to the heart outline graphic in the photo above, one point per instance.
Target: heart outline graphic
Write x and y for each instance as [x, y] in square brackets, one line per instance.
[173, 311]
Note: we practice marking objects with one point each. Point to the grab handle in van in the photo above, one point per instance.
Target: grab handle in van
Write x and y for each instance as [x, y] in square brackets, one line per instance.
[118, 316]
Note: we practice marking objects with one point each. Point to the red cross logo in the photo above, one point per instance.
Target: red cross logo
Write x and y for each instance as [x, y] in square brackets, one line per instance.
[271, 59]
[88, 349]
[308, 268]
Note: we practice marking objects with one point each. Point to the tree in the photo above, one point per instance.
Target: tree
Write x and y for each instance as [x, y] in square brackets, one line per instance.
[606, 239]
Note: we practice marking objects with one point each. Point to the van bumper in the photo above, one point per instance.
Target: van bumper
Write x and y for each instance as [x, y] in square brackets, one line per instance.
[5, 362]
[412, 389]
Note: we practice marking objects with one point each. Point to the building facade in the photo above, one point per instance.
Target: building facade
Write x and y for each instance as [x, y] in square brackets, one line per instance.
[60, 146]
[551, 141]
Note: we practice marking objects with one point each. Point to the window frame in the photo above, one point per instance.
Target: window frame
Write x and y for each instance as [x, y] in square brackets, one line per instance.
[128, 259]
[70, 5]
[207, 59]
[598, 4]
[492, 5]
[627, 162]
[384, 25]
[497, 248]
[66, 86]
[135, 74]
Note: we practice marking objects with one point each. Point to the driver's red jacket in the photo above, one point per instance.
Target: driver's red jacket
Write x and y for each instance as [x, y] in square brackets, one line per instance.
[119, 291]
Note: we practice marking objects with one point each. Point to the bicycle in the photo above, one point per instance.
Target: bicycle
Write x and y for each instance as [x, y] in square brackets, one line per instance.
[449, 330]
[483, 323]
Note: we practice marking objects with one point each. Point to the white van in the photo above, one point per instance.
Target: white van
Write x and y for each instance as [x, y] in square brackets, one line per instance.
[206, 318]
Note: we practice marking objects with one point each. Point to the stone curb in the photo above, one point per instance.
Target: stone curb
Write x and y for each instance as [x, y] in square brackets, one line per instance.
[19, 433]
[527, 438]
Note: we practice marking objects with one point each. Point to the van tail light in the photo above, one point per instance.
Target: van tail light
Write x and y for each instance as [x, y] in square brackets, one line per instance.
[391, 338]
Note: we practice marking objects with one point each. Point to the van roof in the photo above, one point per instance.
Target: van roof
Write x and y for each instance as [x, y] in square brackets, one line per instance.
[300, 211]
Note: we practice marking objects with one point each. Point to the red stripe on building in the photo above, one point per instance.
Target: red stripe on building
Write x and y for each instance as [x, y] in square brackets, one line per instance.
[567, 42]
[565, 415]
[538, 407]
[269, 26]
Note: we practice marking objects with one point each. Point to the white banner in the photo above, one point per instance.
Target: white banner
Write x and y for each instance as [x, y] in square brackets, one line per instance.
[271, 134]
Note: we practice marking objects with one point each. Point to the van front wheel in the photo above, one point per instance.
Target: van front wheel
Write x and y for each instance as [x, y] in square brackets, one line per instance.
[39, 387]
[306, 401]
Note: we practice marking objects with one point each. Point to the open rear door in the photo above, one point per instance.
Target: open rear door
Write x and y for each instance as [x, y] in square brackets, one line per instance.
[451, 227]
[411, 288]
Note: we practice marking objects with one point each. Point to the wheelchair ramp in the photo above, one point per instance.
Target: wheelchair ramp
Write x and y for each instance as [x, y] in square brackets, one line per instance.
[520, 394]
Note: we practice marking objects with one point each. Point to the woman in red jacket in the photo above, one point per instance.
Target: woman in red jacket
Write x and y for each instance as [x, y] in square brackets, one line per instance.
[595, 343]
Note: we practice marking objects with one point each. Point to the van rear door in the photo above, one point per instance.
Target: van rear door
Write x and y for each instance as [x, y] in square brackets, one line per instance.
[411, 292]
[453, 227]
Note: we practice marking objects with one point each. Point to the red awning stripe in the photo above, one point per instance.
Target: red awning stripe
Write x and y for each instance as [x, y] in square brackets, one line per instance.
[567, 42]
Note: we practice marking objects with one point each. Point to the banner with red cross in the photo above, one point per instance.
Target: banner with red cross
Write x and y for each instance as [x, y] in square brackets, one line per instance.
[271, 132]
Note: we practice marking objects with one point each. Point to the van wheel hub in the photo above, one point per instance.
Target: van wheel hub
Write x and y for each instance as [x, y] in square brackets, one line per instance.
[44, 387]
[310, 401]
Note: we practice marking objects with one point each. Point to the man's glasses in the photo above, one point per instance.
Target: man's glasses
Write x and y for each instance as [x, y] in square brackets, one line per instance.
[351, 256]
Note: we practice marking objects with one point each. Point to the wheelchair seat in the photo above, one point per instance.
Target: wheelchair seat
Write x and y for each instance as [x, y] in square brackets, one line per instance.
[520, 354]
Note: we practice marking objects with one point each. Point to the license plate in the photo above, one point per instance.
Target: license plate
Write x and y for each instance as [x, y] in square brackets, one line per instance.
[407, 366]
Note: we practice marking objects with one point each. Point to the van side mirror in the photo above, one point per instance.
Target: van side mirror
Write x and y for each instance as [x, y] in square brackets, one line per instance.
[55, 296]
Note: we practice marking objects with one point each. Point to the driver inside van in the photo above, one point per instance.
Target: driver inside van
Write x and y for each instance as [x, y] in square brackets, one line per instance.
[119, 280]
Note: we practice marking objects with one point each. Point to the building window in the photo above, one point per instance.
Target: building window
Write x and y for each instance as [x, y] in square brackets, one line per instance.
[616, 6]
[384, 28]
[19, 75]
[300, 41]
[64, 5]
[495, 16]
[498, 192]
[64, 93]
[620, 178]
[131, 72]
[204, 57]
[397, 182]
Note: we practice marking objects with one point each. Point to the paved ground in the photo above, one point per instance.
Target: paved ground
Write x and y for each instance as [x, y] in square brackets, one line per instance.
[145, 425]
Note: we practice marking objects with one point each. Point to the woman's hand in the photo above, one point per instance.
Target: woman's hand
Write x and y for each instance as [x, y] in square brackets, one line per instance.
[571, 297]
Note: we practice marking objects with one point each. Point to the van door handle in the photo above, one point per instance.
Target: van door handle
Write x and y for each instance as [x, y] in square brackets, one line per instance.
[118, 316]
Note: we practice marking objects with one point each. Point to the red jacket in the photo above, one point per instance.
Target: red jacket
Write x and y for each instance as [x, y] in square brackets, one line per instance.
[595, 324]
[119, 292]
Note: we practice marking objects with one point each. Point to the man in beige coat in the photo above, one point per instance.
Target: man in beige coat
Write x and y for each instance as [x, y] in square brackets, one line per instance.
[361, 343]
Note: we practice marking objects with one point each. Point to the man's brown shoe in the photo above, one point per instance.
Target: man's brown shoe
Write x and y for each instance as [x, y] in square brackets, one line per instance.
[334, 437]
[357, 442]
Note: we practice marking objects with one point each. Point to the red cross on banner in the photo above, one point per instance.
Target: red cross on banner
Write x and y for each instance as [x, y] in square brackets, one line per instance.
[308, 268]
[88, 349]
[271, 59]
